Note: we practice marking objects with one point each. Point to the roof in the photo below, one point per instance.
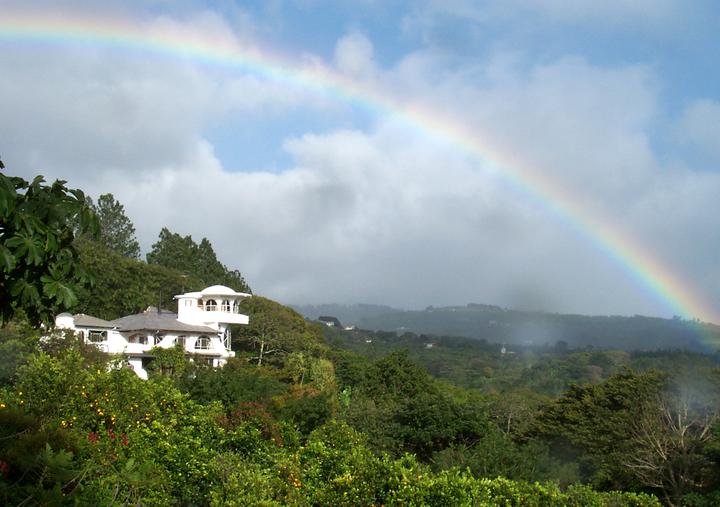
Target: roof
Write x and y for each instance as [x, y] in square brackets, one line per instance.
[189, 295]
[158, 321]
[83, 320]
[213, 290]
[221, 290]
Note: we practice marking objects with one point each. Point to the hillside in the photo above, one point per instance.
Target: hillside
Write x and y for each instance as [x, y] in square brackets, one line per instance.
[515, 327]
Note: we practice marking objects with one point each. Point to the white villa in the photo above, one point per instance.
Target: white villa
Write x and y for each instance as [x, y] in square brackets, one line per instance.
[200, 327]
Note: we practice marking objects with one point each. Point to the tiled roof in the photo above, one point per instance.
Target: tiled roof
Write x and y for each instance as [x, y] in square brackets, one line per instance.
[157, 321]
[83, 320]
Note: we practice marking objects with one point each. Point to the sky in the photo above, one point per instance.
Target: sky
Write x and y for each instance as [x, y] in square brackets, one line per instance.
[557, 155]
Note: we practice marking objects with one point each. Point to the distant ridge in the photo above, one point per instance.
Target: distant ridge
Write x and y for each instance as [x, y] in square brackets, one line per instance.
[347, 314]
[502, 325]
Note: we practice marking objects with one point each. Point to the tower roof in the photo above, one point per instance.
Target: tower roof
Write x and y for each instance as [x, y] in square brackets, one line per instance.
[214, 290]
[221, 290]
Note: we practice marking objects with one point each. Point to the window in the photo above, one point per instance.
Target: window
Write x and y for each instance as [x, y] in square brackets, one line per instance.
[202, 343]
[207, 362]
[226, 339]
[139, 339]
[225, 306]
[210, 305]
[96, 336]
[180, 341]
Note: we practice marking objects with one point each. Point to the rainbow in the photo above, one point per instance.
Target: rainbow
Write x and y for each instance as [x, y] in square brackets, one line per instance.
[167, 39]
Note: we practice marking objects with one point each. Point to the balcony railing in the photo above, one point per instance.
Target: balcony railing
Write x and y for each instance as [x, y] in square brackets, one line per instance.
[223, 309]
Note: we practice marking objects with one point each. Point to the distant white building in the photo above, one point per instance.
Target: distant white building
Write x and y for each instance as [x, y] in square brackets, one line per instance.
[330, 321]
[200, 327]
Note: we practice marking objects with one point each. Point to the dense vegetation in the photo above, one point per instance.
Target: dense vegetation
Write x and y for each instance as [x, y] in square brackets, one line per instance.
[494, 367]
[308, 415]
[305, 430]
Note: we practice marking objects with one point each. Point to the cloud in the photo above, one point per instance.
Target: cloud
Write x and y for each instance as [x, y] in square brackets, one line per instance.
[354, 55]
[380, 210]
[97, 115]
[77, 111]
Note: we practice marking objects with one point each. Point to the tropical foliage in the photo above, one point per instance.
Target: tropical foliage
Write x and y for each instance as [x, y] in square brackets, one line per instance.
[309, 415]
[39, 265]
[75, 432]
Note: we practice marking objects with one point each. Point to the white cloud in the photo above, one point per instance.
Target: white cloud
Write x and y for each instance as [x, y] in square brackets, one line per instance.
[96, 114]
[73, 111]
[386, 214]
[354, 55]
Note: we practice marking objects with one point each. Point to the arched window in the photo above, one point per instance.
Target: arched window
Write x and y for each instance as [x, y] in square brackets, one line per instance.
[202, 343]
[225, 306]
[210, 305]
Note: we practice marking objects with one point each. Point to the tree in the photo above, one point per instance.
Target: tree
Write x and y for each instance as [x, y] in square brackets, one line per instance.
[403, 409]
[513, 409]
[124, 285]
[670, 435]
[276, 330]
[173, 251]
[39, 266]
[592, 422]
[117, 232]
[169, 362]
[183, 254]
[18, 339]
[234, 385]
[496, 454]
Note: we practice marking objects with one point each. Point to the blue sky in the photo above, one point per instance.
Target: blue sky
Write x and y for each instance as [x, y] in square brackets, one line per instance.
[675, 43]
[318, 200]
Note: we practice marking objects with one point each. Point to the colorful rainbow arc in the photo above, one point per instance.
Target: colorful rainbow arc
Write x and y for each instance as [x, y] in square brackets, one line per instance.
[627, 253]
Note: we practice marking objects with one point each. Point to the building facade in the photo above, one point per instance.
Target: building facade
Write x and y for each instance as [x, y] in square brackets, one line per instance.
[201, 328]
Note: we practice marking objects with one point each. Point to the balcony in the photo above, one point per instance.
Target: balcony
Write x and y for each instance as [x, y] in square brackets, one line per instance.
[224, 317]
[215, 313]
